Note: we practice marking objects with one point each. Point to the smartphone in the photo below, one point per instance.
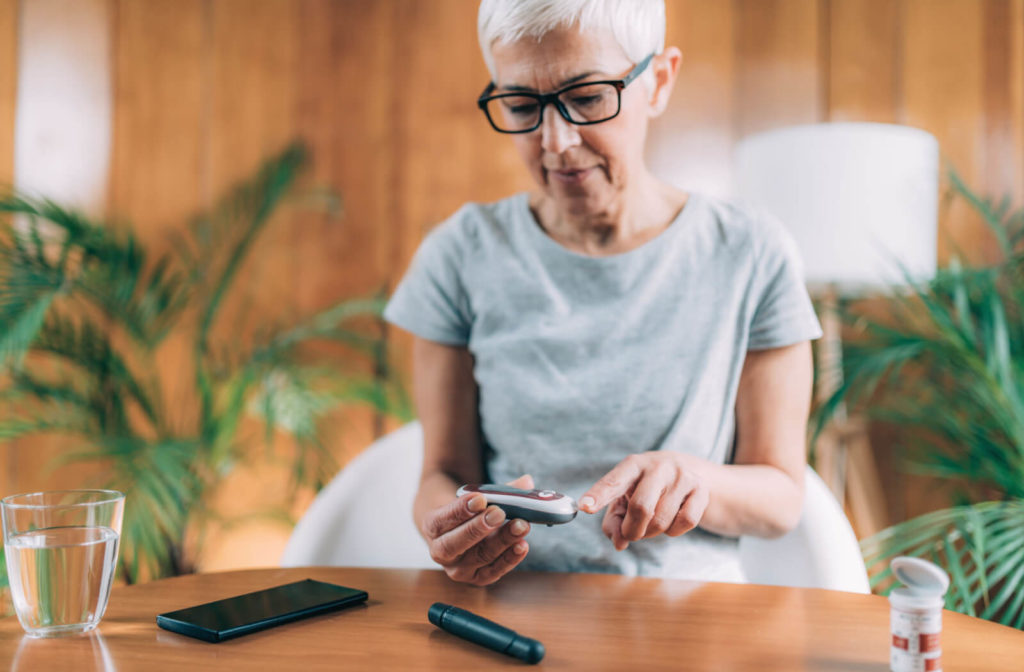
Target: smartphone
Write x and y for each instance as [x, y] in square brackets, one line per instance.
[236, 616]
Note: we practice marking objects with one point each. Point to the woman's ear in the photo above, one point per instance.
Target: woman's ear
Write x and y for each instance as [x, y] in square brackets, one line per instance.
[665, 67]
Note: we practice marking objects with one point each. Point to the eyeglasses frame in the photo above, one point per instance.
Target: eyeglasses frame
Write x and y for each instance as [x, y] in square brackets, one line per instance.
[544, 98]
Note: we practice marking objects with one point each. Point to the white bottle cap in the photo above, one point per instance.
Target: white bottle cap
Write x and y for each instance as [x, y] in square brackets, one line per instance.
[925, 583]
[920, 576]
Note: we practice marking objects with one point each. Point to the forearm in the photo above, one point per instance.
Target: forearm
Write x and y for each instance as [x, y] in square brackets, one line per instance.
[761, 493]
[749, 499]
[446, 398]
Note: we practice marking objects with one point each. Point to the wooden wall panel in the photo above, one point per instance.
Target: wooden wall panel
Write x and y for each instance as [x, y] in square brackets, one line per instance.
[1003, 111]
[252, 61]
[943, 93]
[160, 98]
[446, 146]
[160, 166]
[779, 51]
[691, 144]
[8, 88]
[862, 78]
[345, 110]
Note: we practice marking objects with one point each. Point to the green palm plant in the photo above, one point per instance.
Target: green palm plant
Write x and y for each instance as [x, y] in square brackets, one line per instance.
[944, 367]
[980, 545]
[85, 308]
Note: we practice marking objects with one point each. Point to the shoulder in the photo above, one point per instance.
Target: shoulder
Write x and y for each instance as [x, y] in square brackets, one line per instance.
[476, 226]
[742, 223]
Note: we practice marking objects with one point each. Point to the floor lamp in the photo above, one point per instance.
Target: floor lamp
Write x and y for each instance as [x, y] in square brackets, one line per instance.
[861, 200]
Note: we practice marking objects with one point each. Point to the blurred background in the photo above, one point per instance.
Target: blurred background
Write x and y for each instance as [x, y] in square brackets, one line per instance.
[144, 113]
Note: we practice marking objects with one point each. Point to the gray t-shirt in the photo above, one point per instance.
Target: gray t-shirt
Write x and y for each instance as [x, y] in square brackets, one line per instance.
[581, 361]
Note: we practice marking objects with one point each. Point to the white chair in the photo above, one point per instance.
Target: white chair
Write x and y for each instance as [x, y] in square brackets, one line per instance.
[820, 552]
[363, 518]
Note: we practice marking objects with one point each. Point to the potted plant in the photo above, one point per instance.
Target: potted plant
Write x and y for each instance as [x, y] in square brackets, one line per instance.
[85, 308]
[943, 366]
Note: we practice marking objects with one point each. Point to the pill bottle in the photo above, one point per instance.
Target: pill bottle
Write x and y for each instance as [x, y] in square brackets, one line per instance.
[915, 616]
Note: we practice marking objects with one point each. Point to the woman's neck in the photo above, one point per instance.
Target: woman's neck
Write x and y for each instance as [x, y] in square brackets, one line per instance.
[625, 223]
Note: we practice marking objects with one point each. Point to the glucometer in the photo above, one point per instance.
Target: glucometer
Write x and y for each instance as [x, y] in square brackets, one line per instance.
[546, 507]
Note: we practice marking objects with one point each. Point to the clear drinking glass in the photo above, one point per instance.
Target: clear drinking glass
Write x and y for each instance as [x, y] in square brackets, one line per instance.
[61, 551]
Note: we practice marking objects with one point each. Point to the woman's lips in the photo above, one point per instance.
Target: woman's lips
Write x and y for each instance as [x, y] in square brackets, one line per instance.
[575, 176]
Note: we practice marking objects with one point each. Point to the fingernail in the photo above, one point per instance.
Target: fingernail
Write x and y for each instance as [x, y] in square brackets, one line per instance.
[520, 548]
[587, 503]
[519, 527]
[477, 504]
[494, 516]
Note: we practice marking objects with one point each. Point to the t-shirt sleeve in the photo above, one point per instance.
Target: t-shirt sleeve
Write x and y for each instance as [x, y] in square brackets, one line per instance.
[784, 314]
[431, 300]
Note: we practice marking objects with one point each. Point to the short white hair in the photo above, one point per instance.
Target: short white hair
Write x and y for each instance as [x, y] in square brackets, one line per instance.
[637, 25]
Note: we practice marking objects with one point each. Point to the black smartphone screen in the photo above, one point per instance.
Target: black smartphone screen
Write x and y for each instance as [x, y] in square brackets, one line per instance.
[235, 616]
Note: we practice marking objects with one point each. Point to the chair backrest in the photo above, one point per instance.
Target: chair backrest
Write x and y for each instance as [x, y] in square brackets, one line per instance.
[363, 518]
[820, 552]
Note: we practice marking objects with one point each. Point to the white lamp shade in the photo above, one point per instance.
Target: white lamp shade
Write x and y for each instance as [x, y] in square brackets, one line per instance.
[63, 126]
[860, 199]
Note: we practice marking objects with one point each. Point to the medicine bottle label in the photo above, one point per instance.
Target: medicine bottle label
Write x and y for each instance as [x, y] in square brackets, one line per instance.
[915, 643]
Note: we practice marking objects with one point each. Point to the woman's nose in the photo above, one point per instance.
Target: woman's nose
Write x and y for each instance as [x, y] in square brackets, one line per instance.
[556, 133]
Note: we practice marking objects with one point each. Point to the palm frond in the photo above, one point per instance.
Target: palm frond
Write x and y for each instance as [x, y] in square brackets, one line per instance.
[69, 230]
[21, 328]
[981, 546]
[23, 384]
[287, 398]
[299, 401]
[66, 420]
[327, 325]
[101, 264]
[84, 345]
[162, 481]
[144, 301]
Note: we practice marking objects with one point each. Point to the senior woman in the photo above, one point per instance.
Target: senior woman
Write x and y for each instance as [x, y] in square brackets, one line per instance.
[606, 335]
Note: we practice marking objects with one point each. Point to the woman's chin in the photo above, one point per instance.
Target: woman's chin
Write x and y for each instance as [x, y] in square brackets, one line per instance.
[579, 201]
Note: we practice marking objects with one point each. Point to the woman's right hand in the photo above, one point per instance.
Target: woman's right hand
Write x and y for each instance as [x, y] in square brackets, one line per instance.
[473, 542]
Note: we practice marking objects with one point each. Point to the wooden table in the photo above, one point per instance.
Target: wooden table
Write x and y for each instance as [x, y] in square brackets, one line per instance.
[586, 622]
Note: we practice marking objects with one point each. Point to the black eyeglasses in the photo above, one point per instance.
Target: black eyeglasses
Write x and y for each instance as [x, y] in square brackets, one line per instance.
[582, 104]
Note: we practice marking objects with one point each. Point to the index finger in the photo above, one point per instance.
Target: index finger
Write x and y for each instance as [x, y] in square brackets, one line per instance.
[453, 514]
[617, 482]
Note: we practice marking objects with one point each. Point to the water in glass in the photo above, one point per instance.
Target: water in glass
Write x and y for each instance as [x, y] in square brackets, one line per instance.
[60, 577]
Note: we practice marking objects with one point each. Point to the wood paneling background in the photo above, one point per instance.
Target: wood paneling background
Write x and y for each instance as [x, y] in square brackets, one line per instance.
[8, 91]
[8, 86]
[384, 89]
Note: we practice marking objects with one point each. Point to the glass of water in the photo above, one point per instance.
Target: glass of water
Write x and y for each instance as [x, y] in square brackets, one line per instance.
[61, 551]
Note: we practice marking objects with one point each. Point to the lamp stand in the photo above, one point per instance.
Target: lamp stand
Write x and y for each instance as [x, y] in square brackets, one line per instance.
[844, 458]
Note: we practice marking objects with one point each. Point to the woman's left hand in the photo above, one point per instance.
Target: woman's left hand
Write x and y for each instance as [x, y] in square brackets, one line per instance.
[648, 494]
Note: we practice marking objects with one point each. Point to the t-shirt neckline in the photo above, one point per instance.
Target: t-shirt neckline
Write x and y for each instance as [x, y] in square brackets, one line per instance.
[541, 238]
